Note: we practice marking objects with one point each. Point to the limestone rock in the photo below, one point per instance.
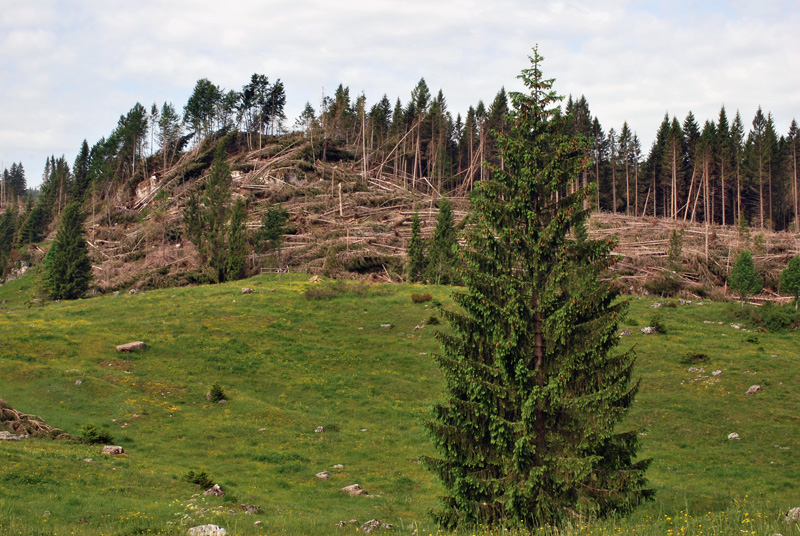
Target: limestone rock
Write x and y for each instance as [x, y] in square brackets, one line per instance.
[374, 524]
[649, 330]
[8, 436]
[214, 490]
[345, 523]
[386, 326]
[793, 515]
[733, 435]
[131, 346]
[113, 450]
[716, 373]
[338, 466]
[324, 475]
[753, 389]
[133, 291]
[625, 332]
[247, 290]
[319, 430]
[354, 490]
[207, 530]
[250, 508]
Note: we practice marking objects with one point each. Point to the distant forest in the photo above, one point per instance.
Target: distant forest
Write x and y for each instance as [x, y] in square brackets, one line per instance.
[723, 171]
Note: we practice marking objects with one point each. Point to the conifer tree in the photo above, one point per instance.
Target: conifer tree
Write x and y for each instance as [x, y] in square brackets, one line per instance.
[744, 279]
[416, 251]
[237, 243]
[534, 390]
[790, 279]
[68, 270]
[442, 260]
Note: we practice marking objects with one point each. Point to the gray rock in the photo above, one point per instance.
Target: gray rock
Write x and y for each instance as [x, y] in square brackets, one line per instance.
[214, 490]
[78, 382]
[625, 332]
[656, 305]
[338, 466]
[8, 436]
[207, 530]
[374, 524]
[753, 389]
[324, 475]
[319, 430]
[716, 373]
[113, 450]
[733, 435]
[354, 490]
[133, 291]
[386, 326]
[793, 515]
[649, 330]
[247, 290]
[131, 346]
[250, 508]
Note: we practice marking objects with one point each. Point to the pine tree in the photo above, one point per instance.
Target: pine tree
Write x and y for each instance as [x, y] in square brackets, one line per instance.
[415, 251]
[237, 243]
[68, 270]
[534, 392]
[744, 279]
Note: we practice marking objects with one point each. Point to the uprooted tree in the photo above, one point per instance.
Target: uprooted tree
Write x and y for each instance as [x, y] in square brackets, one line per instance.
[527, 434]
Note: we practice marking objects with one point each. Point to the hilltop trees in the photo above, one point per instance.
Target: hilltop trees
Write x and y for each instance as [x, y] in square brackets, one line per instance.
[534, 392]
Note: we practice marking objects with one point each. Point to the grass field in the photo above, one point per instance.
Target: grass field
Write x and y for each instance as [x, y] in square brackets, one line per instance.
[289, 364]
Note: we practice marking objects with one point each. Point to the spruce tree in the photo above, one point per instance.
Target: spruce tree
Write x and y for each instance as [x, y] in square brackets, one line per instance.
[442, 261]
[744, 279]
[415, 251]
[534, 390]
[68, 270]
[237, 243]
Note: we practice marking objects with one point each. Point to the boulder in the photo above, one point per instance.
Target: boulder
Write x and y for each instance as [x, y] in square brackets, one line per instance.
[133, 291]
[338, 466]
[131, 346]
[8, 436]
[753, 389]
[250, 508]
[793, 515]
[207, 530]
[354, 490]
[733, 435]
[374, 524]
[716, 373]
[319, 430]
[113, 450]
[214, 490]
[649, 330]
[247, 290]
[625, 332]
[324, 475]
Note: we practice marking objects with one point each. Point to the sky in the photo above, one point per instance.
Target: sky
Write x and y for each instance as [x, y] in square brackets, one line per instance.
[69, 69]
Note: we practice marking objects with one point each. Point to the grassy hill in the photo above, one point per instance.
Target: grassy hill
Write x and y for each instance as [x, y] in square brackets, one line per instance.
[290, 361]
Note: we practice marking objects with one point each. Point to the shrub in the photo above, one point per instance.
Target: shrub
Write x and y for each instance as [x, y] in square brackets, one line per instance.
[92, 435]
[665, 284]
[217, 394]
[657, 321]
[199, 478]
[421, 298]
[692, 358]
[433, 320]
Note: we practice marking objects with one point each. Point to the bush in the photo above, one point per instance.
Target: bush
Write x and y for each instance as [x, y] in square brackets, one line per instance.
[421, 298]
[770, 317]
[90, 434]
[199, 478]
[692, 358]
[433, 320]
[666, 284]
[217, 394]
[657, 321]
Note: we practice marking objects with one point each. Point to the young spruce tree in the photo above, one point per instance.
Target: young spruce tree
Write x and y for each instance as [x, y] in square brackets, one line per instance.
[415, 251]
[68, 270]
[534, 390]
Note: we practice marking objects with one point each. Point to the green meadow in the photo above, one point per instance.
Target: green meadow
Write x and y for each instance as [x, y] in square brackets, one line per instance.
[289, 363]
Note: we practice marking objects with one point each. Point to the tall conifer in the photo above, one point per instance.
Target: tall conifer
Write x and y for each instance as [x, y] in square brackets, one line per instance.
[534, 393]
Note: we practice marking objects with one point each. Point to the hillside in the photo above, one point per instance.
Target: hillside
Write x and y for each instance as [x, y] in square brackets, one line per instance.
[293, 356]
[350, 221]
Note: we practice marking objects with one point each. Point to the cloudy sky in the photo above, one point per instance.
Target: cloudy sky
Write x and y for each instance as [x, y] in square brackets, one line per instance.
[69, 69]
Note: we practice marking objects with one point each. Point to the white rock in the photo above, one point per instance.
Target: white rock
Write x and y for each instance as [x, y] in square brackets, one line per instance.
[324, 475]
[753, 389]
[207, 530]
[733, 435]
[793, 515]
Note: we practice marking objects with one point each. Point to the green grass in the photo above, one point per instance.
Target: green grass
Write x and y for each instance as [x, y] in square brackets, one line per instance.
[289, 364]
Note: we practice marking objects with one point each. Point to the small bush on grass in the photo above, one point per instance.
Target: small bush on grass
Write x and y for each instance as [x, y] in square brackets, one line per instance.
[199, 478]
[433, 320]
[666, 284]
[657, 321]
[691, 358]
[217, 394]
[92, 435]
[421, 298]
